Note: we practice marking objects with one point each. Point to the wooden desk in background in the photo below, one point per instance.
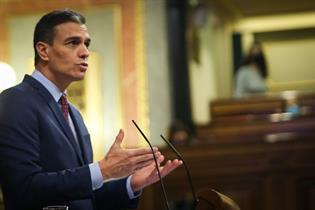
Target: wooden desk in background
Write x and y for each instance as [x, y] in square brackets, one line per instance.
[257, 175]
[261, 115]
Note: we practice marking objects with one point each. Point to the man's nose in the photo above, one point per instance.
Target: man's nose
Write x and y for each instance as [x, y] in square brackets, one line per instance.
[84, 52]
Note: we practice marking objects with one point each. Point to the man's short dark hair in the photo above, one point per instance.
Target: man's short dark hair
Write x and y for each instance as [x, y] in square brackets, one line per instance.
[45, 28]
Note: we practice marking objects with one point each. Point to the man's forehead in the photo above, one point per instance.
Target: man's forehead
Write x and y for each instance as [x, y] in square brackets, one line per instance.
[71, 29]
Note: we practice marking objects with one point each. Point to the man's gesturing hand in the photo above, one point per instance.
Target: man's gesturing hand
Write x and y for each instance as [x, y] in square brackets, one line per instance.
[148, 175]
[120, 162]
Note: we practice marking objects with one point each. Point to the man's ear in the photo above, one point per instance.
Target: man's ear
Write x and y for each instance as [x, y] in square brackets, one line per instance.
[42, 50]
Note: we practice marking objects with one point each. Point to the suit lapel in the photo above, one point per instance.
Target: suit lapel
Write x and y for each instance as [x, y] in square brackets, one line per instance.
[57, 112]
[76, 121]
[66, 128]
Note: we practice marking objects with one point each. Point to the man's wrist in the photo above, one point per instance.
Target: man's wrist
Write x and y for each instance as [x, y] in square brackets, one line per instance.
[102, 167]
[132, 193]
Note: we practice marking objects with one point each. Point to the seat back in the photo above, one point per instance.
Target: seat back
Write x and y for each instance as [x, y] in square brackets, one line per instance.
[209, 199]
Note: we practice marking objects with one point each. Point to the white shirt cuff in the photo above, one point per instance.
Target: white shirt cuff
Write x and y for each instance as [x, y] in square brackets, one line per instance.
[97, 180]
[96, 176]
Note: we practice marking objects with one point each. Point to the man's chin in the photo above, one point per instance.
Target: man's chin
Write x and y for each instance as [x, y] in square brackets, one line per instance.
[79, 77]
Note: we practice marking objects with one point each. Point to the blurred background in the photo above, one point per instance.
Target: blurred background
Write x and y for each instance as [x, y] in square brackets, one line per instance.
[172, 65]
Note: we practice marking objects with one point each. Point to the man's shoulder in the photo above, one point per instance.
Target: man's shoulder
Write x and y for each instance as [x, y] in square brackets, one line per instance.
[17, 93]
[19, 100]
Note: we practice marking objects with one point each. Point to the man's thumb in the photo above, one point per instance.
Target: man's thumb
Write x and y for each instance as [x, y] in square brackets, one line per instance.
[119, 137]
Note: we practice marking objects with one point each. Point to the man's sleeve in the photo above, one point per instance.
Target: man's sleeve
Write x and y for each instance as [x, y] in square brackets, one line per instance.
[114, 195]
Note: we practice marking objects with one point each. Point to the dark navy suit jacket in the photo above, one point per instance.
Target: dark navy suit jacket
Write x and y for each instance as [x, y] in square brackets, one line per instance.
[41, 164]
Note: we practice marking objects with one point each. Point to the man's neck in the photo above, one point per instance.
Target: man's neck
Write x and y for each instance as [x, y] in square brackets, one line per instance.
[62, 85]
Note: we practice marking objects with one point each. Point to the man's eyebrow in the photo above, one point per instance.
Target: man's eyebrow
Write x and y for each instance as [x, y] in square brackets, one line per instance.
[72, 38]
[77, 38]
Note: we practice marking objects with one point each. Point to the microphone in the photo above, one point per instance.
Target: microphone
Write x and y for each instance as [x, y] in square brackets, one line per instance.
[186, 168]
[156, 165]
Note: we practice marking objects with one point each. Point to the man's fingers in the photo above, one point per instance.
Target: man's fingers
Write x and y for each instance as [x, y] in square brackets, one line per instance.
[148, 174]
[160, 159]
[170, 166]
[166, 169]
[144, 160]
[141, 151]
[163, 171]
[144, 164]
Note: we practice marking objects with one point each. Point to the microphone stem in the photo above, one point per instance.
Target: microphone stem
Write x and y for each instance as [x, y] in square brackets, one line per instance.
[156, 165]
[186, 169]
[160, 177]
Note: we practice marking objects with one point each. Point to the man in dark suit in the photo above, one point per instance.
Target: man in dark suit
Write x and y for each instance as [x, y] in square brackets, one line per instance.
[45, 148]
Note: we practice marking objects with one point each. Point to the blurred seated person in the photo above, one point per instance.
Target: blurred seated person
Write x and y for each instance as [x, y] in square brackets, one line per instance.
[292, 107]
[250, 77]
[179, 134]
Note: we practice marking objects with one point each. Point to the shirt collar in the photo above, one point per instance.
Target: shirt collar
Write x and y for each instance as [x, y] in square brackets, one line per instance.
[49, 85]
